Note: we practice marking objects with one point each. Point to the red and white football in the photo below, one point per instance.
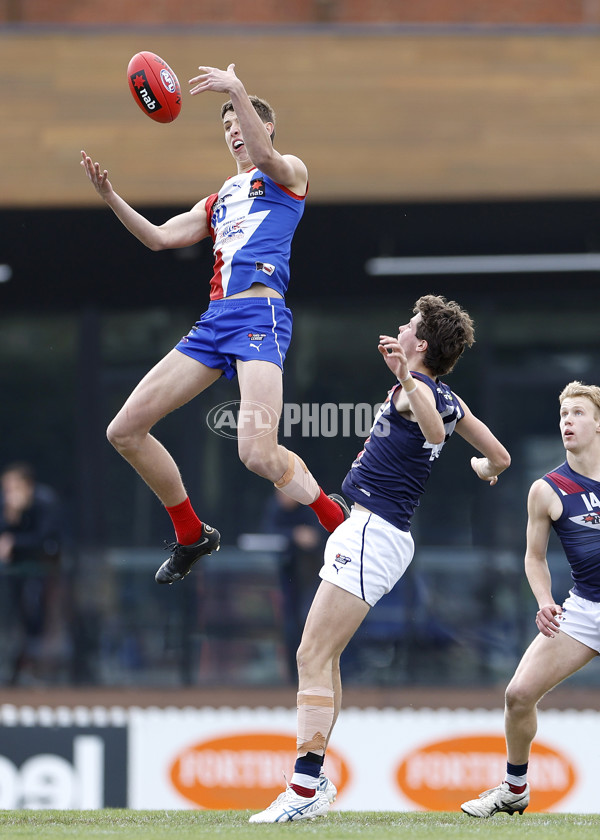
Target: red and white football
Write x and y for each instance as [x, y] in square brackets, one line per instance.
[154, 87]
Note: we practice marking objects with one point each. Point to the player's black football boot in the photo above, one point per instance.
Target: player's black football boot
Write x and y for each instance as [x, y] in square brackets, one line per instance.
[335, 497]
[183, 557]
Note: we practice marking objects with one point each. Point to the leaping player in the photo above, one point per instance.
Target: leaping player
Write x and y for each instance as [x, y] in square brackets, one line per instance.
[252, 220]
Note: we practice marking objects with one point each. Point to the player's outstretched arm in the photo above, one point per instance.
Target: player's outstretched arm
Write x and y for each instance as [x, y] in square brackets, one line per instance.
[178, 232]
[287, 170]
[495, 458]
[97, 176]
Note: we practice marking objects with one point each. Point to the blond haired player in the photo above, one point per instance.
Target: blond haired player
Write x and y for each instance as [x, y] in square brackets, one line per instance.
[568, 500]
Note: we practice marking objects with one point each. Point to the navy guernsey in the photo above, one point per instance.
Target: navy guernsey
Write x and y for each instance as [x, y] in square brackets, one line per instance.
[578, 527]
[388, 477]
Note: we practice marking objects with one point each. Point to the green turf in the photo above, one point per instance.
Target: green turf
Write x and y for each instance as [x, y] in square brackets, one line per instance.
[369, 825]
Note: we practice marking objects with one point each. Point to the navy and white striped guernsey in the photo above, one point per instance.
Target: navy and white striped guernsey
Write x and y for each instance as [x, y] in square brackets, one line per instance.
[578, 527]
[389, 475]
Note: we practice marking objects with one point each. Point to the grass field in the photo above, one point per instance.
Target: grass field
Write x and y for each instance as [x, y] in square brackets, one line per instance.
[370, 825]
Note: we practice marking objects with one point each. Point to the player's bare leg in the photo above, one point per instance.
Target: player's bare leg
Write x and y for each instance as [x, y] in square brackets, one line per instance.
[261, 401]
[546, 663]
[174, 381]
[334, 617]
[261, 392]
[171, 383]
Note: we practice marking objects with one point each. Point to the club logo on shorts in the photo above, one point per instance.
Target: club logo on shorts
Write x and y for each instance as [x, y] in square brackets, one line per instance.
[343, 561]
[255, 339]
[257, 188]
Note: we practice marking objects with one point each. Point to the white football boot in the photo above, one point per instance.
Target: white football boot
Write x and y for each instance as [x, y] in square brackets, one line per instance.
[289, 806]
[327, 787]
[497, 799]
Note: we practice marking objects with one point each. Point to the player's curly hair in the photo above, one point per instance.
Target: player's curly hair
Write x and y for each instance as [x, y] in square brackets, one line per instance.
[262, 108]
[447, 329]
[580, 389]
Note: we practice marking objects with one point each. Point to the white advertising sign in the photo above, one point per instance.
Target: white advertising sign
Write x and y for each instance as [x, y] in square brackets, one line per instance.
[388, 759]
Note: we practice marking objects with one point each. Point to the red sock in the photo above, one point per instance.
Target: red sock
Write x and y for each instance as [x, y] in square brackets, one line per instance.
[303, 791]
[329, 513]
[188, 528]
[516, 788]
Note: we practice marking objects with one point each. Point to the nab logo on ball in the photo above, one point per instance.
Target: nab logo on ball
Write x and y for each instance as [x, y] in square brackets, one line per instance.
[154, 87]
[144, 93]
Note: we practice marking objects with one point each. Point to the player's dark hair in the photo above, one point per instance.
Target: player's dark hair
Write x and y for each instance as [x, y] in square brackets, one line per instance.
[262, 108]
[447, 329]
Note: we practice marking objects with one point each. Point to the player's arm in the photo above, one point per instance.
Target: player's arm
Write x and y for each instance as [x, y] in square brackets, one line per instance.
[414, 399]
[495, 458]
[287, 170]
[543, 506]
[178, 232]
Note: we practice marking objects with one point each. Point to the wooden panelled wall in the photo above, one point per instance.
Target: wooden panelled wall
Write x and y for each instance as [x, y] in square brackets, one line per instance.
[376, 117]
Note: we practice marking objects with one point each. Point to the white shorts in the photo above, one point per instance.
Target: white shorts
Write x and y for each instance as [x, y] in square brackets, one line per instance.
[581, 620]
[367, 556]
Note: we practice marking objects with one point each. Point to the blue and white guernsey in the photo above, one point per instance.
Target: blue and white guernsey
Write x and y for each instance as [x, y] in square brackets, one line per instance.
[578, 527]
[388, 477]
[252, 221]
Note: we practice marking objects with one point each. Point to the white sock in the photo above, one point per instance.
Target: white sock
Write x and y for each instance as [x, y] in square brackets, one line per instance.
[518, 781]
[305, 781]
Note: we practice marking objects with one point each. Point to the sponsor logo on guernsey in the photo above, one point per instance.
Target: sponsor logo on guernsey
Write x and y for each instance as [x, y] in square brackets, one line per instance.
[257, 187]
[231, 232]
[589, 520]
[266, 267]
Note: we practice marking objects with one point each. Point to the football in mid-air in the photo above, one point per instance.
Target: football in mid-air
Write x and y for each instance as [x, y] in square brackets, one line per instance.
[154, 86]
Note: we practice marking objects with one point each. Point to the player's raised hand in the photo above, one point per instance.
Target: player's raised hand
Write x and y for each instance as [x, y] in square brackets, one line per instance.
[211, 78]
[394, 355]
[98, 177]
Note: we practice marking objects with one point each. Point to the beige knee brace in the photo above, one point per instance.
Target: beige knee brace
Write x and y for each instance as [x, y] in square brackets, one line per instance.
[315, 718]
[297, 482]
